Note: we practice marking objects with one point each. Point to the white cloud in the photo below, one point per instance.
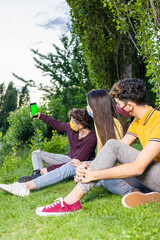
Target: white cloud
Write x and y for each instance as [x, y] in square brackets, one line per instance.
[20, 32]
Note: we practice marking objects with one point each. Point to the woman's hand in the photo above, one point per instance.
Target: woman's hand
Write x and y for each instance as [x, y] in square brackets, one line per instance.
[75, 162]
[43, 171]
[84, 174]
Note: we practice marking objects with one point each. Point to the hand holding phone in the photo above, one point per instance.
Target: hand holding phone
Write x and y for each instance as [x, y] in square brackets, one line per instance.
[34, 110]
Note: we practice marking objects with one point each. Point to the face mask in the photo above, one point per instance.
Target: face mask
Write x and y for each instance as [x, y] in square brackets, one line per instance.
[123, 112]
[91, 114]
[72, 127]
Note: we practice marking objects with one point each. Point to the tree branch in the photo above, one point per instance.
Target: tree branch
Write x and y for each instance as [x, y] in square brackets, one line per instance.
[151, 21]
[157, 20]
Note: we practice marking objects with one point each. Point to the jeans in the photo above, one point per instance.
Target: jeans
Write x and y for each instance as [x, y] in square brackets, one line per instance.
[117, 152]
[38, 157]
[123, 186]
[52, 177]
[117, 186]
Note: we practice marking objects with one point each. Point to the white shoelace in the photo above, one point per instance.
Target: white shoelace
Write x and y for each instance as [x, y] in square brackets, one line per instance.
[57, 201]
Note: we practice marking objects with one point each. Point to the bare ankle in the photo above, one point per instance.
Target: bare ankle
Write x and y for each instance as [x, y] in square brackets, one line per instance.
[30, 185]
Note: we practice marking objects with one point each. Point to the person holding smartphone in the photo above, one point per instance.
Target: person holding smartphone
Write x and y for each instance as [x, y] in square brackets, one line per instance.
[81, 137]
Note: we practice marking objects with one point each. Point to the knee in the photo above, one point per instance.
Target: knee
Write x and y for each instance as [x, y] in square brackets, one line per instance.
[36, 152]
[111, 143]
[68, 169]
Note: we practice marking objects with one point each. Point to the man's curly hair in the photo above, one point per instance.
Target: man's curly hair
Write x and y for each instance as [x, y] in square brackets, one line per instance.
[130, 89]
[81, 117]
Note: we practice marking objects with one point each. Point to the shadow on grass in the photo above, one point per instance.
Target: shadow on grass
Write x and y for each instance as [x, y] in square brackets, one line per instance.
[98, 193]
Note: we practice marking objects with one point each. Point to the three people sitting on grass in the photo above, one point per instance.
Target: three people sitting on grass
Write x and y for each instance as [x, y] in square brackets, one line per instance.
[130, 95]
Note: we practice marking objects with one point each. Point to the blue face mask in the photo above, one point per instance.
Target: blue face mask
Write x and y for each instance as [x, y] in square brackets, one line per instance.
[91, 114]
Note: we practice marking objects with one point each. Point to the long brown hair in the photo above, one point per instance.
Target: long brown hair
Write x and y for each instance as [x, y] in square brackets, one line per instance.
[103, 113]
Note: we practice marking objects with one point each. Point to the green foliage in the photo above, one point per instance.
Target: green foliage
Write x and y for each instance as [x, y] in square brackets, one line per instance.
[109, 55]
[139, 20]
[68, 72]
[9, 102]
[57, 144]
[69, 80]
[57, 109]
[24, 97]
[10, 164]
[22, 128]
[18, 160]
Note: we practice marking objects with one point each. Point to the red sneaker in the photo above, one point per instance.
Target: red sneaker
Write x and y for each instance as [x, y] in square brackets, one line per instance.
[59, 207]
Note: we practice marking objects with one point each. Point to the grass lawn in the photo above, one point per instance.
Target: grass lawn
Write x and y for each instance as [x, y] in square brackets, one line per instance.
[102, 217]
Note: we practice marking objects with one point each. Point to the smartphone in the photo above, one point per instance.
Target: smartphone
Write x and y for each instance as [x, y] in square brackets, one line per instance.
[34, 110]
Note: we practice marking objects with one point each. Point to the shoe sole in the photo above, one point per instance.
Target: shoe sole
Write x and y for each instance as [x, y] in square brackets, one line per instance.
[25, 179]
[45, 214]
[134, 199]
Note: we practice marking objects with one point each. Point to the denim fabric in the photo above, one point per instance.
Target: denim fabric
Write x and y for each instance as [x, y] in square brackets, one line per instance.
[123, 186]
[52, 177]
[117, 186]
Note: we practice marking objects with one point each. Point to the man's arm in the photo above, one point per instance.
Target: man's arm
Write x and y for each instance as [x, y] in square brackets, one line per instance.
[55, 124]
[128, 139]
[146, 156]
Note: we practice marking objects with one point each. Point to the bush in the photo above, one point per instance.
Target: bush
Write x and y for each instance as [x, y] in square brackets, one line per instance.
[17, 161]
[57, 109]
[22, 128]
[57, 144]
[10, 164]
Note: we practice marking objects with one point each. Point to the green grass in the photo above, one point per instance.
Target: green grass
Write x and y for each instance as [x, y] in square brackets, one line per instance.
[102, 217]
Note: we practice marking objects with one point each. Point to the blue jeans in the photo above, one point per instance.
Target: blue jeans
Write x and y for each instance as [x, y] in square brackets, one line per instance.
[123, 186]
[117, 186]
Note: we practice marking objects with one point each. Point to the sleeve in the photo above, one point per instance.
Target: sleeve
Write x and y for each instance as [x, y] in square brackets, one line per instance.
[86, 150]
[118, 129]
[55, 124]
[98, 138]
[155, 134]
[132, 129]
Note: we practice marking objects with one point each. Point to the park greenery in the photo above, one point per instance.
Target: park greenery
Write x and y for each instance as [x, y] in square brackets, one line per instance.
[108, 40]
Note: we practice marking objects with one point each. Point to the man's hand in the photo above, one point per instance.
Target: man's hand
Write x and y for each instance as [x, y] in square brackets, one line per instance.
[36, 117]
[43, 171]
[84, 174]
[75, 162]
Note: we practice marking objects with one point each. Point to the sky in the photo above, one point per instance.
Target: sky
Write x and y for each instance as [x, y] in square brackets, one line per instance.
[26, 25]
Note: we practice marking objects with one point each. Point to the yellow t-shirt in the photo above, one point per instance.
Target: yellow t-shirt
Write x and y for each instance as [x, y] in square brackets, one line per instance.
[147, 128]
[118, 126]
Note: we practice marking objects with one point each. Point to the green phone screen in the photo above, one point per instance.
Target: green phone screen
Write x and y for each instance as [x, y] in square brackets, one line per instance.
[34, 109]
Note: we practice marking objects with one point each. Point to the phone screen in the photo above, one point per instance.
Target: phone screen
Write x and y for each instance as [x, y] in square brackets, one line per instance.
[34, 110]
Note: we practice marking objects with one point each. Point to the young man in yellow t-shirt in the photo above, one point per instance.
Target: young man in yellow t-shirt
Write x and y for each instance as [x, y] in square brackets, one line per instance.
[130, 96]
